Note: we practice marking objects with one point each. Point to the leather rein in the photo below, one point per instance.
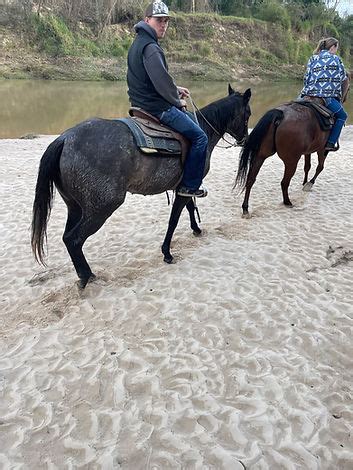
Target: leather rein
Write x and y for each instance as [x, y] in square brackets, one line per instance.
[195, 108]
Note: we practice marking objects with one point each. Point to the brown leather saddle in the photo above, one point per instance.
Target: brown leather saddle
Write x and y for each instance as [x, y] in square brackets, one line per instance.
[324, 115]
[157, 134]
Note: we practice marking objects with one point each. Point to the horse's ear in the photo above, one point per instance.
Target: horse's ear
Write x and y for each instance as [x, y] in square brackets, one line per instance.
[247, 95]
[230, 90]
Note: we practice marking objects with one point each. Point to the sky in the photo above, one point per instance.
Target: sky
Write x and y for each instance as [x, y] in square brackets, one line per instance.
[345, 6]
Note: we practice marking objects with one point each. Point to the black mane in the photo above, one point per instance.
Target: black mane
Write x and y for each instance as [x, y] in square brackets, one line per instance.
[222, 111]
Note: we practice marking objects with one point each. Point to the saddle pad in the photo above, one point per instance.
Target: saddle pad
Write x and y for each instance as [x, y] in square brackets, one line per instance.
[158, 142]
[323, 114]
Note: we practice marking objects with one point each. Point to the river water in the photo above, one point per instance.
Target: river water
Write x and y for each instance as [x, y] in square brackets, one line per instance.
[50, 107]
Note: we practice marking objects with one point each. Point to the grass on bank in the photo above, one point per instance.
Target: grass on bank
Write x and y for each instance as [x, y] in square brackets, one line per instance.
[51, 34]
[200, 46]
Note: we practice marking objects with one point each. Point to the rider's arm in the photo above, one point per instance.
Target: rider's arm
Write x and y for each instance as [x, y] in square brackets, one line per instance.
[159, 75]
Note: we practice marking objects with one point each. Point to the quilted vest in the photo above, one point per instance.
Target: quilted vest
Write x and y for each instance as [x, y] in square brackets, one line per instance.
[141, 90]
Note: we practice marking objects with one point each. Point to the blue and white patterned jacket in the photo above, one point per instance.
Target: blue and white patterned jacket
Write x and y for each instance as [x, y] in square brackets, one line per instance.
[324, 75]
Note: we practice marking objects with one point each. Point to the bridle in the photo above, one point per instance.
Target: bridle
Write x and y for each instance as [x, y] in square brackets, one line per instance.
[231, 144]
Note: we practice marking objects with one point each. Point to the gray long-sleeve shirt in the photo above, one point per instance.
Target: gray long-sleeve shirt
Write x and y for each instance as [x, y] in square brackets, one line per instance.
[159, 75]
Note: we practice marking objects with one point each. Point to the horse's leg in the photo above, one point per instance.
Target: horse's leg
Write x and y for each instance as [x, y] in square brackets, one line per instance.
[250, 180]
[320, 165]
[307, 166]
[78, 228]
[289, 170]
[74, 214]
[193, 224]
[74, 240]
[179, 203]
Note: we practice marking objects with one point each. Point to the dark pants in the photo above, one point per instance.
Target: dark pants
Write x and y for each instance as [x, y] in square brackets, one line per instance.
[195, 160]
[340, 118]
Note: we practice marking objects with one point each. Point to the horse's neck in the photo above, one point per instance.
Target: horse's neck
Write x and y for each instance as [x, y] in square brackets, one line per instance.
[211, 130]
[212, 142]
[345, 88]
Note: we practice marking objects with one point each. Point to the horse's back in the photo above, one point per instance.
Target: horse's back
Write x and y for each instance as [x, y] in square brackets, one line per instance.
[299, 131]
[98, 133]
[102, 152]
[93, 146]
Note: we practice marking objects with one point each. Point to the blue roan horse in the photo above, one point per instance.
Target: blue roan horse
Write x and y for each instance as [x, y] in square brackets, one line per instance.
[94, 164]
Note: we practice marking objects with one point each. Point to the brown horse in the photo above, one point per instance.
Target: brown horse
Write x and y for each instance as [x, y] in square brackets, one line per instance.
[291, 130]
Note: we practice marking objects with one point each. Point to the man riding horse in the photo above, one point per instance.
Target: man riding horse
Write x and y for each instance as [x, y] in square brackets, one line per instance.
[153, 89]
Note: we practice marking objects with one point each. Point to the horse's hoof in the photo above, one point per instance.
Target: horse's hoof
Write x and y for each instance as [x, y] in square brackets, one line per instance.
[197, 233]
[308, 186]
[246, 215]
[82, 283]
[288, 204]
[168, 259]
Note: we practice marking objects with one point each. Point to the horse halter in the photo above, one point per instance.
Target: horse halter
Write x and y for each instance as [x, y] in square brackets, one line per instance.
[195, 108]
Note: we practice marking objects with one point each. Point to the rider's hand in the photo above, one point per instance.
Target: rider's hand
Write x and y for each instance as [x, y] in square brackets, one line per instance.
[183, 92]
[183, 104]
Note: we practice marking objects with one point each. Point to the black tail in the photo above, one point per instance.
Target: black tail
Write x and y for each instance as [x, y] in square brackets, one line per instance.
[253, 144]
[47, 174]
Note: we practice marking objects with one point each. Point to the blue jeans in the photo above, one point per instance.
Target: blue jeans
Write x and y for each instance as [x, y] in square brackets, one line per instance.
[340, 118]
[195, 160]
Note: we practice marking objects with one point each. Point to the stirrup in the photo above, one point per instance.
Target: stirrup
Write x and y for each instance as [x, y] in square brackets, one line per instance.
[329, 147]
[185, 192]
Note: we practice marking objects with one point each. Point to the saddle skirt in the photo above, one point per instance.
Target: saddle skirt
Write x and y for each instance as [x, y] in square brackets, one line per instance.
[153, 138]
[324, 115]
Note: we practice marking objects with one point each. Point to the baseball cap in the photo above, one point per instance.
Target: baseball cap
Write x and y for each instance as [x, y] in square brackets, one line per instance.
[157, 9]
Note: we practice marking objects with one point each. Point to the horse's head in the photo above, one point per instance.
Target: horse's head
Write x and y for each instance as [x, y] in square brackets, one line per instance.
[227, 115]
[346, 87]
[237, 125]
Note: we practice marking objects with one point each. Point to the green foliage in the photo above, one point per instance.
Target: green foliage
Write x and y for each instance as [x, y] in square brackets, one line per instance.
[203, 48]
[257, 54]
[282, 36]
[185, 57]
[85, 46]
[52, 35]
[273, 12]
[346, 37]
[113, 46]
[331, 30]
[304, 51]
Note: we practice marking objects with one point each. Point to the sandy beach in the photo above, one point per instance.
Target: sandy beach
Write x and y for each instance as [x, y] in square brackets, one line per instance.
[238, 356]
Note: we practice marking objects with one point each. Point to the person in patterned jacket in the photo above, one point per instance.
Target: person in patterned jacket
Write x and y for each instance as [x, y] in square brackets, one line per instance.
[324, 76]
